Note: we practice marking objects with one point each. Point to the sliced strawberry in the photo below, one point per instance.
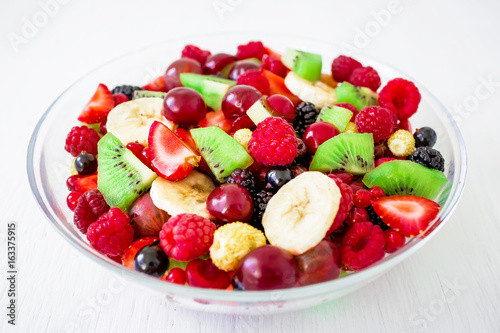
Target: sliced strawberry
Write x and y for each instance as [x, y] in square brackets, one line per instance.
[86, 183]
[277, 86]
[98, 107]
[171, 158]
[157, 84]
[408, 214]
[272, 53]
[216, 118]
[186, 137]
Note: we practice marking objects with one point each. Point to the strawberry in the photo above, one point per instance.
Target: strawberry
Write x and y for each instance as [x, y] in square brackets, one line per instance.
[82, 183]
[98, 107]
[277, 86]
[407, 214]
[171, 158]
[216, 118]
[157, 84]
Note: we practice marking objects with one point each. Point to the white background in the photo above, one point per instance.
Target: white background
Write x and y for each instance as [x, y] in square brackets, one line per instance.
[451, 47]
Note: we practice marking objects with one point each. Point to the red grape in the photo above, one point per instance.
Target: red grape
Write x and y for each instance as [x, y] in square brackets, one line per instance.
[241, 67]
[319, 264]
[283, 107]
[184, 106]
[230, 203]
[146, 218]
[317, 133]
[183, 65]
[216, 62]
[238, 100]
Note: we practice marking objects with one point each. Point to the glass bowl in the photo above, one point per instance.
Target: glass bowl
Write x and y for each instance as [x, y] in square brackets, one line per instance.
[49, 167]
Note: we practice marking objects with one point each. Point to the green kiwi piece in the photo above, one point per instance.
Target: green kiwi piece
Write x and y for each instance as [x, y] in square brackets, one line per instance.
[148, 94]
[304, 64]
[222, 153]
[211, 88]
[121, 177]
[406, 177]
[360, 97]
[353, 153]
[335, 115]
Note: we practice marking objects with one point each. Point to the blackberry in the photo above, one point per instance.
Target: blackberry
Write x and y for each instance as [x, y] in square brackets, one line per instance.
[260, 200]
[305, 114]
[126, 90]
[428, 157]
[375, 219]
[244, 178]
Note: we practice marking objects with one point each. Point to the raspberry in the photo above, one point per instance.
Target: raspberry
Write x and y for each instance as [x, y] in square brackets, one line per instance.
[351, 108]
[343, 66]
[194, 52]
[260, 200]
[91, 205]
[393, 240]
[400, 96]
[244, 178]
[111, 234]
[365, 77]
[251, 50]
[345, 205]
[362, 246]
[428, 157]
[401, 143]
[126, 90]
[82, 138]
[186, 236]
[273, 142]
[376, 120]
[305, 114]
[232, 242]
[256, 79]
[375, 219]
[274, 65]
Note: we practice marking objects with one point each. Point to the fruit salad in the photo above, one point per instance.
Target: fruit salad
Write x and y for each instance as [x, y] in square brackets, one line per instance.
[254, 170]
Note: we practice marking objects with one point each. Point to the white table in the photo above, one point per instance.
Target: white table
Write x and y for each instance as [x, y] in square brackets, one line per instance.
[451, 47]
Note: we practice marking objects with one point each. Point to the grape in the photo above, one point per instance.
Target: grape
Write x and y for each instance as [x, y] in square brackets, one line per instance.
[278, 177]
[183, 65]
[204, 274]
[85, 163]
[184, 106]
[267, 267]
[317, 133]
[283, 107]
[238, 100]
[216, 62]
[319, 264]
[151, 260]
[146, 218]
[241, 67]
[230, 203]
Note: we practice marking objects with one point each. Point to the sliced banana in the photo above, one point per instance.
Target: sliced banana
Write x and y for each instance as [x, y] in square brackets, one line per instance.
[130, 121]
[188, 195]
[318, 93]
[298, 216]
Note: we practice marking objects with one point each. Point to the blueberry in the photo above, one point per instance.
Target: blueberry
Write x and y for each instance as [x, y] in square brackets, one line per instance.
[275, 178]
[151, 260]
[425, 136]
[85, 163]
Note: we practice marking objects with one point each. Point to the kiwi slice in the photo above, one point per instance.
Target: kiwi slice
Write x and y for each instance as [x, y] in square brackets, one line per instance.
[304, 64]
[360, 97]
[148, 94]
[121, 177]
[335, 115]
[260, 110]
[222, 153]
[211, 88]
[349, 152]
[406, 177]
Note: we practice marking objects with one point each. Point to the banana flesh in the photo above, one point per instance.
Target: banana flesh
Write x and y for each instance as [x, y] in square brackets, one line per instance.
[318, 93]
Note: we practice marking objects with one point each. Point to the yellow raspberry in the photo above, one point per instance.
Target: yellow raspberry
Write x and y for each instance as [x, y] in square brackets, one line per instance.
[401, 143]
[243, 136]
[232, 242]
[350, 128]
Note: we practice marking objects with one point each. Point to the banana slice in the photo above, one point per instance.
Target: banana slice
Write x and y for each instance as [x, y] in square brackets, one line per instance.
[130, 121]
[318, 93]
[298, 216]
[188, 195]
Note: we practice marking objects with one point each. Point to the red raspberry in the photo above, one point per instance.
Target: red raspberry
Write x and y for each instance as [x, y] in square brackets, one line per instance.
[351, 108]
[400, 96]
[91, 205]
[273, 142]
[251, 50]
[342, 67]
[365, 77]
[194, 52]
[376, 120]
[80, 139]
[256, 79]
[274, 65]
[362, 246]
[393, 240]
[186, 236]
[111, 234]
[345, 203]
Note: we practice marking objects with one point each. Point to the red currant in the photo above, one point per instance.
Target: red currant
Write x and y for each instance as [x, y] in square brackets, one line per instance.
[362, 198]
[72, 199]
[357, 215]
[176, 275]
[377, 192]
[393, 240]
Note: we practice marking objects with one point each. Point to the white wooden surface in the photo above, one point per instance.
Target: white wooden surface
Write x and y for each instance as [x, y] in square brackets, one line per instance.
[451, 47]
